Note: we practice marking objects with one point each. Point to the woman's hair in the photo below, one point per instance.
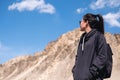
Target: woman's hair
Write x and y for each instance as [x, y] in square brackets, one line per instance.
[95, 21]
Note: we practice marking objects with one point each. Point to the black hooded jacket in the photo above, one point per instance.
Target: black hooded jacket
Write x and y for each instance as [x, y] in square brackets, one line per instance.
[91, 56]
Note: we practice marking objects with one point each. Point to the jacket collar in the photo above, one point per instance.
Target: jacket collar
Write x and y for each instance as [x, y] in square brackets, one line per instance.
[91, 33]
[88, 35]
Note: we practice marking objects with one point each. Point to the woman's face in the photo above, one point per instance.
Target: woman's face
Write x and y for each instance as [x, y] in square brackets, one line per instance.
[83, 25]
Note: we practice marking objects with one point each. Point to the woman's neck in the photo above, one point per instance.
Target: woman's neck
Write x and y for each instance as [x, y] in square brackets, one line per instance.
[88, 29]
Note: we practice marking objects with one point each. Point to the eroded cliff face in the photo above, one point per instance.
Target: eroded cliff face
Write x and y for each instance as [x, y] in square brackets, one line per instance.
[55, 62]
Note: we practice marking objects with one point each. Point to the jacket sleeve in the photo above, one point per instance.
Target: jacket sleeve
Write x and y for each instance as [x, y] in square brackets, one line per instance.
[101, 57]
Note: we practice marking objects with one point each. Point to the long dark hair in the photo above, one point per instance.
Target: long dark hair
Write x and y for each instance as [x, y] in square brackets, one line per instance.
[95, 21]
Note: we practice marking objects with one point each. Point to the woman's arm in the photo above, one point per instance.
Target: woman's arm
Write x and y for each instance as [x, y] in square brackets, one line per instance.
[101, 58]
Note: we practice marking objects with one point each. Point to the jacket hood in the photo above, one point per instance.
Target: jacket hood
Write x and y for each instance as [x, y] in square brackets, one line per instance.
[88, 35]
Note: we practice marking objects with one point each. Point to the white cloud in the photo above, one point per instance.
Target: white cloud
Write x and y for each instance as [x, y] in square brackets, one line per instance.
[113, 19]
[80, 10]
[103, 3]
[98, 4]
[114, 3]
[31, 5]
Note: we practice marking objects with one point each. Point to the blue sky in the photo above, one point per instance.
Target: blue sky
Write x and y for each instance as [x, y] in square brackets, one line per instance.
[27, 26]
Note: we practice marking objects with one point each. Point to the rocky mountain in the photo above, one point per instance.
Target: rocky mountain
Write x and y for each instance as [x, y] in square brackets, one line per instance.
[56, 60]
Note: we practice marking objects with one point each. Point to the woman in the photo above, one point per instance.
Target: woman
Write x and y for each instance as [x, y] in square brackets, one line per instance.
[91, 54]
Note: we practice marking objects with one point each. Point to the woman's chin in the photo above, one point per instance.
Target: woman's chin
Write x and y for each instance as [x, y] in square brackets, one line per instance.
[82, 29]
